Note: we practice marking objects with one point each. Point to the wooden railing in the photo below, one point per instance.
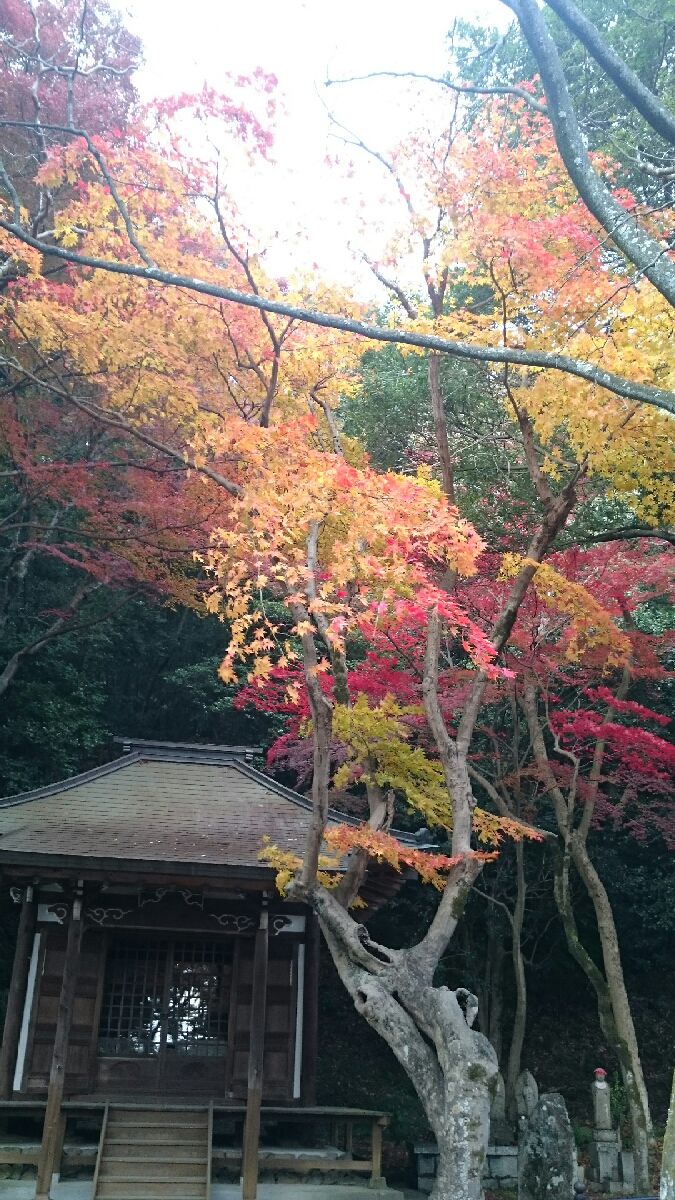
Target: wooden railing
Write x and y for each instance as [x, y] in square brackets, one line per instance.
[99, 1154]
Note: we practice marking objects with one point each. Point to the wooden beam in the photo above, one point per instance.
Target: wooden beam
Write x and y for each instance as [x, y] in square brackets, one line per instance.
[17, 992]
[249, 1170]
[57, 1075]
[349, 1139]
[310, 1038]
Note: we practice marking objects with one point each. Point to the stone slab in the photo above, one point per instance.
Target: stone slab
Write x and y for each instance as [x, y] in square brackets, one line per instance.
[67, 1190]
[547, 1158]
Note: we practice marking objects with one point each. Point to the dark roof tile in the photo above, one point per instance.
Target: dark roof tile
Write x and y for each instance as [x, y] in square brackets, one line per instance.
[156, 807]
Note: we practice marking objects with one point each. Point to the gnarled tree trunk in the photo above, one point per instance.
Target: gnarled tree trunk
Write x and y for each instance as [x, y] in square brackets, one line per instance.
[429, 1029]
[451, 1066]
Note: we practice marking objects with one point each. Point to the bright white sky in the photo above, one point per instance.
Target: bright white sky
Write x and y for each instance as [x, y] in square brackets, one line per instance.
[303, 42]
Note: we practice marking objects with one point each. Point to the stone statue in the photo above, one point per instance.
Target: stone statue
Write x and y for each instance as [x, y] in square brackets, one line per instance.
[602, 1112]
[527, 1095]
[611, 1166]
[501, 1133]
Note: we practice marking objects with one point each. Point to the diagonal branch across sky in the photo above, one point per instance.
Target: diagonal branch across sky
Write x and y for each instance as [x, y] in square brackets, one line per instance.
[626, 388]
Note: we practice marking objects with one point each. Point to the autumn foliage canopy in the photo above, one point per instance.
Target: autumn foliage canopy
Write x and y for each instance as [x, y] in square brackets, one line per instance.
[196, 447]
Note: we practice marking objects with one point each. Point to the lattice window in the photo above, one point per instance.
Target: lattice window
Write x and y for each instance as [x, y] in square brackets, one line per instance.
[166, 996]
[198, 998]
[131, 1014]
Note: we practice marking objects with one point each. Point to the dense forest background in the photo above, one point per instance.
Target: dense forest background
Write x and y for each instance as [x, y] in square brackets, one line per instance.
[133, 664]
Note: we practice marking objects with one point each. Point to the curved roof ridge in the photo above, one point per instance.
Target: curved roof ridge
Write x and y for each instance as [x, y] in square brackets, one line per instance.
[139, 749]
[64, 785]
[215, 748]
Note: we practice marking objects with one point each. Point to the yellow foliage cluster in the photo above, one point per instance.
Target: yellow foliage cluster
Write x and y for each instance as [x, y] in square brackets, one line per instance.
[286, 864]
[589, 625]
[378, 537]
[378, 742]
[166, 356]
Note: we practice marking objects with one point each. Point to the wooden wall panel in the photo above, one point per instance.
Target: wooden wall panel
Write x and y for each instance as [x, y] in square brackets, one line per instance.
[85, 1071]
[279, 1023]
[78, 1068]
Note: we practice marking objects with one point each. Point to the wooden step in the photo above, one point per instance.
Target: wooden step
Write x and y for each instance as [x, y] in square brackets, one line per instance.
[156, 1137]
[148, 1120]
[149, 1152]
[153, 1154]
[154, 1172]
[186, 1132]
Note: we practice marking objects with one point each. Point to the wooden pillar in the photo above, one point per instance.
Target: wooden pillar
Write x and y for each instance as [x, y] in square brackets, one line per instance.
[249, 1165]
[310, 1047]
[51, 1133]
[377, 1130]
[17, 993]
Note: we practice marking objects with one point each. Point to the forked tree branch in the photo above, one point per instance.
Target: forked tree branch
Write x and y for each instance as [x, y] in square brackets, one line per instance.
[630, 532]
[115, 421]
[60, 626]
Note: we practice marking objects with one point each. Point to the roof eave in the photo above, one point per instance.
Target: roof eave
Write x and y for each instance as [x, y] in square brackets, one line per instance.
[37, 863]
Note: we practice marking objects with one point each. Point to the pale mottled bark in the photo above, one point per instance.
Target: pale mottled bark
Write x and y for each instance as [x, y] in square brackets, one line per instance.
[667, 1189]
[645, 101]
[451, 1066]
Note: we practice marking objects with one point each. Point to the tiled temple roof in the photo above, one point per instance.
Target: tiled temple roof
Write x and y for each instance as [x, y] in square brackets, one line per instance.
[162, 802]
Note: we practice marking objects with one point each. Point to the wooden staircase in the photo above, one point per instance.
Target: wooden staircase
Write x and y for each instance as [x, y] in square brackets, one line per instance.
[154, 1154]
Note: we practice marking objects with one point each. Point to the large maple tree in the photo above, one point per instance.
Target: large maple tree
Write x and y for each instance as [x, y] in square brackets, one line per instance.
[167, 330]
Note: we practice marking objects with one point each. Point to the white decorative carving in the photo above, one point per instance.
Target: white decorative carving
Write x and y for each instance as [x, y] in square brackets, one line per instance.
[283, 924]
[100, 915]
[279, 924]
[234, 923]
[193, 899]
[153, 897]
[53, 913]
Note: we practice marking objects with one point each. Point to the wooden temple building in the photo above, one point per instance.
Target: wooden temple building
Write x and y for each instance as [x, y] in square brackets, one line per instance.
[161, 989]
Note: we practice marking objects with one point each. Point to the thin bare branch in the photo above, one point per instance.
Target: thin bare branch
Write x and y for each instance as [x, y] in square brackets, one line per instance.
[471, 89]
